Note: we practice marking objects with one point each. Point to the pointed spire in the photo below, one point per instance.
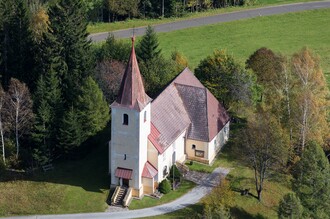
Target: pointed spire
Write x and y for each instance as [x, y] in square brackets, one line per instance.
[131, 93]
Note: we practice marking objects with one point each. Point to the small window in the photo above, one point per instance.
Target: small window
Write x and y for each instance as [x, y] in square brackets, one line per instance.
[125, 119]
[165, 171]
[125, 157]
[215, 143]
[199, 153]
[145, 116]
[193, 147]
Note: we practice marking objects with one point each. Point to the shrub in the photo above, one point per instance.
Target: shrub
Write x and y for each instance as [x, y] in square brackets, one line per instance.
[165, 186]
[177, 173]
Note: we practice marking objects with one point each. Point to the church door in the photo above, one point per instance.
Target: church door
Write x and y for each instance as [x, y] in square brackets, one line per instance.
[126, 182]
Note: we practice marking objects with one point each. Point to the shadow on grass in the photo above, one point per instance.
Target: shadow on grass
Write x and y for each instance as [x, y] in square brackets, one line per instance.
[237, 212]
[88, 168]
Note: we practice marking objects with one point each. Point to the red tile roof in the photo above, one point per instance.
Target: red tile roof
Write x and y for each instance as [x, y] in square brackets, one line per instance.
[149, 171]
[154, 137]
[124, 173]
[185, 105]
[131, 93]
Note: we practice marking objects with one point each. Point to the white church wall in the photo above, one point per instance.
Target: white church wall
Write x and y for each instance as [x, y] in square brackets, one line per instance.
[168, 158]
[218, 142]
[125, 150]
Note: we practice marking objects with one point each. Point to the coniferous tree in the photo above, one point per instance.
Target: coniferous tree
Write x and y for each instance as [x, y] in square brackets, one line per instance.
[71, 134]
[311, 181]
[68, 27]
[15, 43]
[290, 207]
[148, 47]
[48, 103]
[92, 108]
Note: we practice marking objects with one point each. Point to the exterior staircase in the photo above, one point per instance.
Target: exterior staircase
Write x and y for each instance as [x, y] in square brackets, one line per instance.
[182, 168]
[118, 196]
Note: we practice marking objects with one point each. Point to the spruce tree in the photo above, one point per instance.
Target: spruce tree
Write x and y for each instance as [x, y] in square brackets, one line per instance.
[48, 113]
[311, 181]
[92, 108]
[68, 26]
[290, 207]
[148, 47]
[71, 135]
[16, 43]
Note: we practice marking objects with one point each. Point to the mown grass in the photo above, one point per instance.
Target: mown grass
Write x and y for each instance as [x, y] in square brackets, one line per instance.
[130, 23]
[72, 187]
[286, 34]
[146, 201]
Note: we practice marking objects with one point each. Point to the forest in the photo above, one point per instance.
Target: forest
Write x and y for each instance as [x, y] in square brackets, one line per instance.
[56, 87]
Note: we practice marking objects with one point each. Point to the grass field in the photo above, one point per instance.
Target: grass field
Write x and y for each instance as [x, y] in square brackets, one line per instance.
[130, 23]
[286, 34]
[72, 187]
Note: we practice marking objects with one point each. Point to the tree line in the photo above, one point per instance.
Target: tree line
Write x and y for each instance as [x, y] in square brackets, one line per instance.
[117, 10]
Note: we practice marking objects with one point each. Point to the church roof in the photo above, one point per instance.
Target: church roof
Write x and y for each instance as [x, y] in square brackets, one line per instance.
[186, 105]
[149, 171]
[131, 92]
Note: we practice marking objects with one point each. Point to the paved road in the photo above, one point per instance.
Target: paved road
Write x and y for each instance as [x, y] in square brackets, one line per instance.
[190, 198]
[220, 18]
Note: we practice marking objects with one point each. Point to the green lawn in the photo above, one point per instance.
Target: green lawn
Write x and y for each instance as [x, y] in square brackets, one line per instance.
[149, 202]
[130, 23]
[72, 187]
[286, 33]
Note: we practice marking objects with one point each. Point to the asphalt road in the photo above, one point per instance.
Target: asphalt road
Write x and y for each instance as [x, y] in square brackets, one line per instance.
[192, 197]
[220, 18]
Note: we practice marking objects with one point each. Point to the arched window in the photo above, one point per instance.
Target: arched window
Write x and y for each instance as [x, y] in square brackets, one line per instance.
[145, 116]
[125, 119]
[193, 146]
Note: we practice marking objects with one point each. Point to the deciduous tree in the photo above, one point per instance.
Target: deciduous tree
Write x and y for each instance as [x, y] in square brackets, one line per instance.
[265, 147]
[20, 109]
[311, 102]
[225, 78]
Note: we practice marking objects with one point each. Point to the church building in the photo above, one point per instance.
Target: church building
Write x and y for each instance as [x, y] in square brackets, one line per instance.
[149, 136]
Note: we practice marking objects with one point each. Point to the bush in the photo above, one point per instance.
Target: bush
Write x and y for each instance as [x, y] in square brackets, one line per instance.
[165, 186]
[177, 173]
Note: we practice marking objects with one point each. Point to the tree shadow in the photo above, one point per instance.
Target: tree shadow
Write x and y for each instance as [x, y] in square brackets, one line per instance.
[237, 212]
[88, 169]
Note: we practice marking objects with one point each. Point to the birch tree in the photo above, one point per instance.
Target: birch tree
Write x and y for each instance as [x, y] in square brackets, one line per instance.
[2, 101]
[19, 109]
[311, 102]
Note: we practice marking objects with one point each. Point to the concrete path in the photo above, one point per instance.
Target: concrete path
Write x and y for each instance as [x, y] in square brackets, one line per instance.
[206, 183]
[220, 18]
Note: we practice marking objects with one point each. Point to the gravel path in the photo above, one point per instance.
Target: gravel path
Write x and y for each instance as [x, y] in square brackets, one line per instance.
[220, 18]
[206, 183]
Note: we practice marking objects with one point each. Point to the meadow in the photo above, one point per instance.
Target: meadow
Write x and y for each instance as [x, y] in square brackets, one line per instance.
[284, 34]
